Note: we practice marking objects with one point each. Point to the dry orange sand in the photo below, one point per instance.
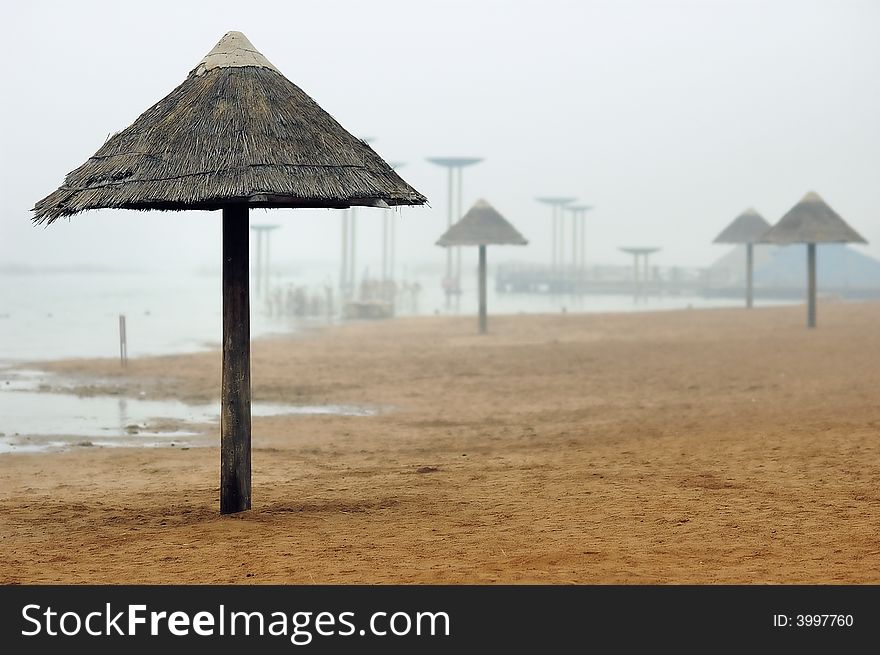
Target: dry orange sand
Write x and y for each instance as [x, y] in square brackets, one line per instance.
[692, 446]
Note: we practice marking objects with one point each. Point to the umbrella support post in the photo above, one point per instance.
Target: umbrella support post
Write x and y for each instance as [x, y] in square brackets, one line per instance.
[750, 267]
[483, 321]
[811, 285]
[235, 410]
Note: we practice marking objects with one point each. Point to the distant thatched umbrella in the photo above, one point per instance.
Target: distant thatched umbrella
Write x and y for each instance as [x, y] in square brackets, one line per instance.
[746, 228]
[235, 134]
[481, 226]
[811, 221]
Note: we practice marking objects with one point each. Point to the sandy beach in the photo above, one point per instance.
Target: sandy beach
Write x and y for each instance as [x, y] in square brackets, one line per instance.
[710, 446]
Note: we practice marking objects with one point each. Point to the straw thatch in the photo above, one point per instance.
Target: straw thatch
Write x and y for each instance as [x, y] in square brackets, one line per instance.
[811, 221]
[482, 225]
[748, 227]
[235, 131]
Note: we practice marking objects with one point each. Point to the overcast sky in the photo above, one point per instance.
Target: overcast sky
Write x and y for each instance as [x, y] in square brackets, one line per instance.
[670, 117]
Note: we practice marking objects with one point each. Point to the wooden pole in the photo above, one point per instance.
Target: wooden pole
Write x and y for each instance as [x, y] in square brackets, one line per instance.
[811, 285]
[123, 341]
[235, 408]
[750, 267]
[483, 320]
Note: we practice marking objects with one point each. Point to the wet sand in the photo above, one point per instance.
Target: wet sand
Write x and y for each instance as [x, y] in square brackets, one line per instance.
[690, 447]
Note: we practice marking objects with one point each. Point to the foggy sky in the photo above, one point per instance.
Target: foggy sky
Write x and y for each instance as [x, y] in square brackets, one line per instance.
[670, 117]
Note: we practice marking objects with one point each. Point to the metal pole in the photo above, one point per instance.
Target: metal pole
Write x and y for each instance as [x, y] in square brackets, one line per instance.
[636, 276]
[343, 272]
[458, 218]
[750, 266]
[266, 266]
[393, 245]
[574, 248]
[353, 263]
[384, 245]
[562, 241]
[235, 409]
[483, 321]
[448, 280]
[553, 256]
[811, 285]
[582, 273]
[259, 267]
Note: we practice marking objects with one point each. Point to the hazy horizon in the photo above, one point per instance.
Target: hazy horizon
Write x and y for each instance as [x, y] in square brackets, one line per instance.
[670, 118]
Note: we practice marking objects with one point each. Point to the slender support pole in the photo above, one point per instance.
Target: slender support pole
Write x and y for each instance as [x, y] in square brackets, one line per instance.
[393, 219]
[343, 272]
[448, 280]
[750, 267]
[560, 256]
[636, 276]
[384, 245]
[266, 266]
[583, 258]
[352, 267]
[811, 285]
[123, 341]
[553, 256]
[235, 409]
[483, 321]
[259, 264]
[458, 216]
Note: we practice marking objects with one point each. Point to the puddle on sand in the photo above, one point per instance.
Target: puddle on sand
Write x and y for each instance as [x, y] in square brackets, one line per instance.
[31, 420]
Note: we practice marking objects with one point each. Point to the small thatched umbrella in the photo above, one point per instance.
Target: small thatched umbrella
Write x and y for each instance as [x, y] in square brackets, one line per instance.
[235, 134]
[746, 228]
[481, 226]
[811, 221]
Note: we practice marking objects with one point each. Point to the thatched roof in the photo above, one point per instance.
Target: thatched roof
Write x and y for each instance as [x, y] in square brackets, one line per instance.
[748, 227]
[482, 225]
[811, 221]
[235, 131]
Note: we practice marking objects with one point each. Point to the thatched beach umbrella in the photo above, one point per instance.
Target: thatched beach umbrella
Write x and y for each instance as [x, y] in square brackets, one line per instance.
[746, 228]
[235, 134]
[481, 226]
[811, 221]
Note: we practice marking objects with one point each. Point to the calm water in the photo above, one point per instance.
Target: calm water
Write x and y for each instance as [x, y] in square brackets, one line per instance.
[34, 419]
[52, 316]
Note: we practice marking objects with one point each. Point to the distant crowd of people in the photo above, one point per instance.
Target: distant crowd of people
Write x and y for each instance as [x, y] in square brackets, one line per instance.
[300, 302]
[297, 301]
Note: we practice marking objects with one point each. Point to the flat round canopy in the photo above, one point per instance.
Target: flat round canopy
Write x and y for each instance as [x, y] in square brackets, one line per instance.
[454, 162]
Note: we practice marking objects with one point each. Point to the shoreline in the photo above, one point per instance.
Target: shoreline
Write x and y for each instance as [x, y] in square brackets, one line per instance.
[656, 447]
